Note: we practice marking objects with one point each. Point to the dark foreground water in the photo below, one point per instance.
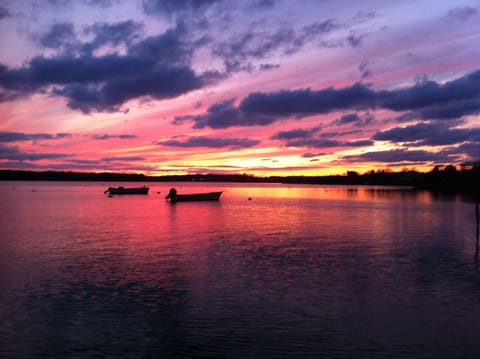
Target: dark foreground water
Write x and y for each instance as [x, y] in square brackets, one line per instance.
[295, 272]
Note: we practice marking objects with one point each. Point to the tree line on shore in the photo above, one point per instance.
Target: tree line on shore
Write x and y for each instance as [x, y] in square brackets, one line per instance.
[466, 177]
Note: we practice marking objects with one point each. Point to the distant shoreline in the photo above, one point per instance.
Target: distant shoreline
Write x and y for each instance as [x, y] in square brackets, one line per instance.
[446, 179]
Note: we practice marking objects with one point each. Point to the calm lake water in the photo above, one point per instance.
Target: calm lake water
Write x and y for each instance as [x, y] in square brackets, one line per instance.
[270, 271]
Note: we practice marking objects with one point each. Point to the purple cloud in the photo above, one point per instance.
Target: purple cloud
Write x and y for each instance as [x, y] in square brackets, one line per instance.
[326, 143]
[307, 102]
[156, 67]
[427, 100]
[296, 133]
[13, 153]
[429, 134]
[4, 13]
[211, 142]
[223, 115]
[109, 137]
[20, 136]
[402, 156]
[123, 159]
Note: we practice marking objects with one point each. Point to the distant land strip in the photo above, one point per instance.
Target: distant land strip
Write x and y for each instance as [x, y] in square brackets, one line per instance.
[465, 178]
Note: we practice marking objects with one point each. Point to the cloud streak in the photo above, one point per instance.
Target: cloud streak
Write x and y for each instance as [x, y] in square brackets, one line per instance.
[211, 142]
[321, 143]
[109, 137]
[402, 157]
[296, 133]
[19, 136]
[22, 137]
[14, 153]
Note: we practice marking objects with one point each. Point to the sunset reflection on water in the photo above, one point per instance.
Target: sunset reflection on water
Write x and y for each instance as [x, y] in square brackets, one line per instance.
[268, 271]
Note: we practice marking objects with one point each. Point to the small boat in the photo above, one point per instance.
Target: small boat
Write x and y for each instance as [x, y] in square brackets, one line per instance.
[127, 190]
[209, 196]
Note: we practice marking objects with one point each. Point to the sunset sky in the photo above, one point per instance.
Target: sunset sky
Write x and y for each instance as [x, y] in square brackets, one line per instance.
[262, 87]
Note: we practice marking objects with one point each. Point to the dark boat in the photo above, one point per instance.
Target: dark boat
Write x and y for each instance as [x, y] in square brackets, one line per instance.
[127, 190]
[209, 196]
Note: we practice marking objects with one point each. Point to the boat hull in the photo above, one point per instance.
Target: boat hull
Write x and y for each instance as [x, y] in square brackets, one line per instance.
[210, 196]
[127, 190]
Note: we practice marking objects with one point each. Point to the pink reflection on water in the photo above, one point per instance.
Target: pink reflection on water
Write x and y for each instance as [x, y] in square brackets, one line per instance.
[295, 262]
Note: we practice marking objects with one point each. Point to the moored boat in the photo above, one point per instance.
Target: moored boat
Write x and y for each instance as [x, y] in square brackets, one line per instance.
[127, 190]
[174, 197]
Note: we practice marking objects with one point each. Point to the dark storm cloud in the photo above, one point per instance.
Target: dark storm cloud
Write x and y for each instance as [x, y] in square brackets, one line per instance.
[401, 155]
[20, 136]
[430, 134]
[212, 142]
[109, 137]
